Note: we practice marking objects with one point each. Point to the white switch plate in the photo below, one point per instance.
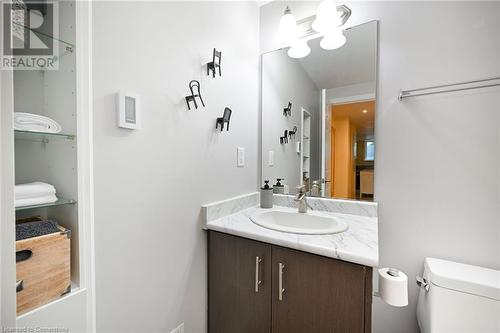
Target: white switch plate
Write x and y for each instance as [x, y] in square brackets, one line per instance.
[241, 157]
[271, 158]
[179, 329]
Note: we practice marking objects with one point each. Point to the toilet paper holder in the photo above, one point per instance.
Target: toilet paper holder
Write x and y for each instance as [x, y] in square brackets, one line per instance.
[392, 286]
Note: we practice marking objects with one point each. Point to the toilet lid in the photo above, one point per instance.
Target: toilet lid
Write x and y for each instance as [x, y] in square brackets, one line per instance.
[461, 277]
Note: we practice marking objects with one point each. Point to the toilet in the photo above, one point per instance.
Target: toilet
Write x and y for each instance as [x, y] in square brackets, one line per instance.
[455, 297]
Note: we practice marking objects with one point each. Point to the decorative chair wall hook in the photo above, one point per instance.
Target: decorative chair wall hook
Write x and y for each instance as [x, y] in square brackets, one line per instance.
[194, 85]
[288, 110]
[284, 138]
[224, 119]
[291, 133]
[215, 63]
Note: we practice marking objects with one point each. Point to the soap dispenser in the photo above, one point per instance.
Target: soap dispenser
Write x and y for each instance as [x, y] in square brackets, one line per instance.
[278, 187]
[266, 196]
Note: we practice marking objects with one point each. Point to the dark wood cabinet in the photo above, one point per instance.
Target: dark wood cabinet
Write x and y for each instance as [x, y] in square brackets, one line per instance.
[318, 294]
[238, 303]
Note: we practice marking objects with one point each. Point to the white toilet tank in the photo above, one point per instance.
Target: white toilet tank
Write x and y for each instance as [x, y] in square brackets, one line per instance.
[460, 298]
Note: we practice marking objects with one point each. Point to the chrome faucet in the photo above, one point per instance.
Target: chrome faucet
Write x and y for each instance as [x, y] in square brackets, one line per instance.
[301, 199]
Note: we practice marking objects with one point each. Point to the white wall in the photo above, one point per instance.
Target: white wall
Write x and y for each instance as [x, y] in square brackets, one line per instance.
[437, 176]
[150, 183]
[353, 92]
[285, 80]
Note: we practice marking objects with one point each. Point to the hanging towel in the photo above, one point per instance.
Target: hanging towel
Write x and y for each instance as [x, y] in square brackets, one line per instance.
[35, 123]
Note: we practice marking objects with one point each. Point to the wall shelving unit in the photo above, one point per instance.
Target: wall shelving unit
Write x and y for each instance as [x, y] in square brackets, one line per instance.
[305, 144]
[61, 159]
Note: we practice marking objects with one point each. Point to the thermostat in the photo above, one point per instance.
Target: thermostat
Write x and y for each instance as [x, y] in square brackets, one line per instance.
[128, 110]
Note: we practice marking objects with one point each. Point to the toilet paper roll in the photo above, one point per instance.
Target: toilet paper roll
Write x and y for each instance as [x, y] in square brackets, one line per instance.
[393, 286]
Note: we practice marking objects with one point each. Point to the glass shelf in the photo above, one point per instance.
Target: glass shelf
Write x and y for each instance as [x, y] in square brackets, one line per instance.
[41, 136]
[59, 202]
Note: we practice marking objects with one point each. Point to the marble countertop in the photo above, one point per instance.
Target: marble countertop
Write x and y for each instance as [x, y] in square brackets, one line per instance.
[358, 244]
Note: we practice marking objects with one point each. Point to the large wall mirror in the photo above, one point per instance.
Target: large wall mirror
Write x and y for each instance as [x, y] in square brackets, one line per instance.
[318, 117]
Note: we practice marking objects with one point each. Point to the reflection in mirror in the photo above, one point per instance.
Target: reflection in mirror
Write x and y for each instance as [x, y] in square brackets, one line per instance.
[331, 97]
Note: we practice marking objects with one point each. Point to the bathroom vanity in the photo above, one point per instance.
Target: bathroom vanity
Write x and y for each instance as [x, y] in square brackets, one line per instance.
[270, 288]
[263, 280]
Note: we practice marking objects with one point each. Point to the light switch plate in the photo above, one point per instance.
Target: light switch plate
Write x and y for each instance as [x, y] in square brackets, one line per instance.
[241, 157]
[271, 158]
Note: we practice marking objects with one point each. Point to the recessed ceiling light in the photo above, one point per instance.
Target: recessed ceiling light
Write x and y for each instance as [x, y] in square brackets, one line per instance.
[365, 111]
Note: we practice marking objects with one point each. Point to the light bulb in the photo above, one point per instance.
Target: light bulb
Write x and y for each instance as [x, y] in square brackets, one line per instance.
[299, 49]
[327, 17]
[288, 28]
[333, 40]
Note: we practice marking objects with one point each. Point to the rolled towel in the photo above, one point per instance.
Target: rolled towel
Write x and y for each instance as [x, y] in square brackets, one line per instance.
[35, 201]
[33, 190]
[35, 123]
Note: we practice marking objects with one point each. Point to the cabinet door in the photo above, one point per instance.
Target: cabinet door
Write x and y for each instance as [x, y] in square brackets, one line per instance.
[320, 295]
[238, 303]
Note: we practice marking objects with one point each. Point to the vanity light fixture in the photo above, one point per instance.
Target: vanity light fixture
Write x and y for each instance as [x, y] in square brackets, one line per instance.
[327, 22]
[299, 49]
[333, 40]
[327, 17]
[289, 37]
[288, 28]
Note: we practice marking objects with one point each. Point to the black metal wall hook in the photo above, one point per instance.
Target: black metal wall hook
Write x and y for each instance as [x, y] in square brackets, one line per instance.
[292, 132]
[224, 119]
[288, 110]
[215, 63]
[284, 138]
[194, 85]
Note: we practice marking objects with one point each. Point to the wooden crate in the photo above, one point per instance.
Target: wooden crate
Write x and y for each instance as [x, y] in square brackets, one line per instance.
[43, 271]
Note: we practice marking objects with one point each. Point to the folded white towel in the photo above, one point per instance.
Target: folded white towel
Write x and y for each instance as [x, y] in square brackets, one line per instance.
[35, 201]
[33, 122]
[33, 190]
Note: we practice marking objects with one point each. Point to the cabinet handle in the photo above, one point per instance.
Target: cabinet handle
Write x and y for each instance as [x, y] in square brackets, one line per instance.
[281, 290]
[23, 255]
[257, 274]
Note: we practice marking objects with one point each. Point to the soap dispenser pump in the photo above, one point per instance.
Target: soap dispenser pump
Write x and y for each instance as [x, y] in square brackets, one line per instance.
[266, 195]
[278, 187]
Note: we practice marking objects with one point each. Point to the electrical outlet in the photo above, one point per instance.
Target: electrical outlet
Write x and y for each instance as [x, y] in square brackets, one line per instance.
[179, 329]
[271, 158]
[241, 157]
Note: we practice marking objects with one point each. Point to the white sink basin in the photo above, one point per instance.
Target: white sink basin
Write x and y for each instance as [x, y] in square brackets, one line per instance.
[298, 223]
